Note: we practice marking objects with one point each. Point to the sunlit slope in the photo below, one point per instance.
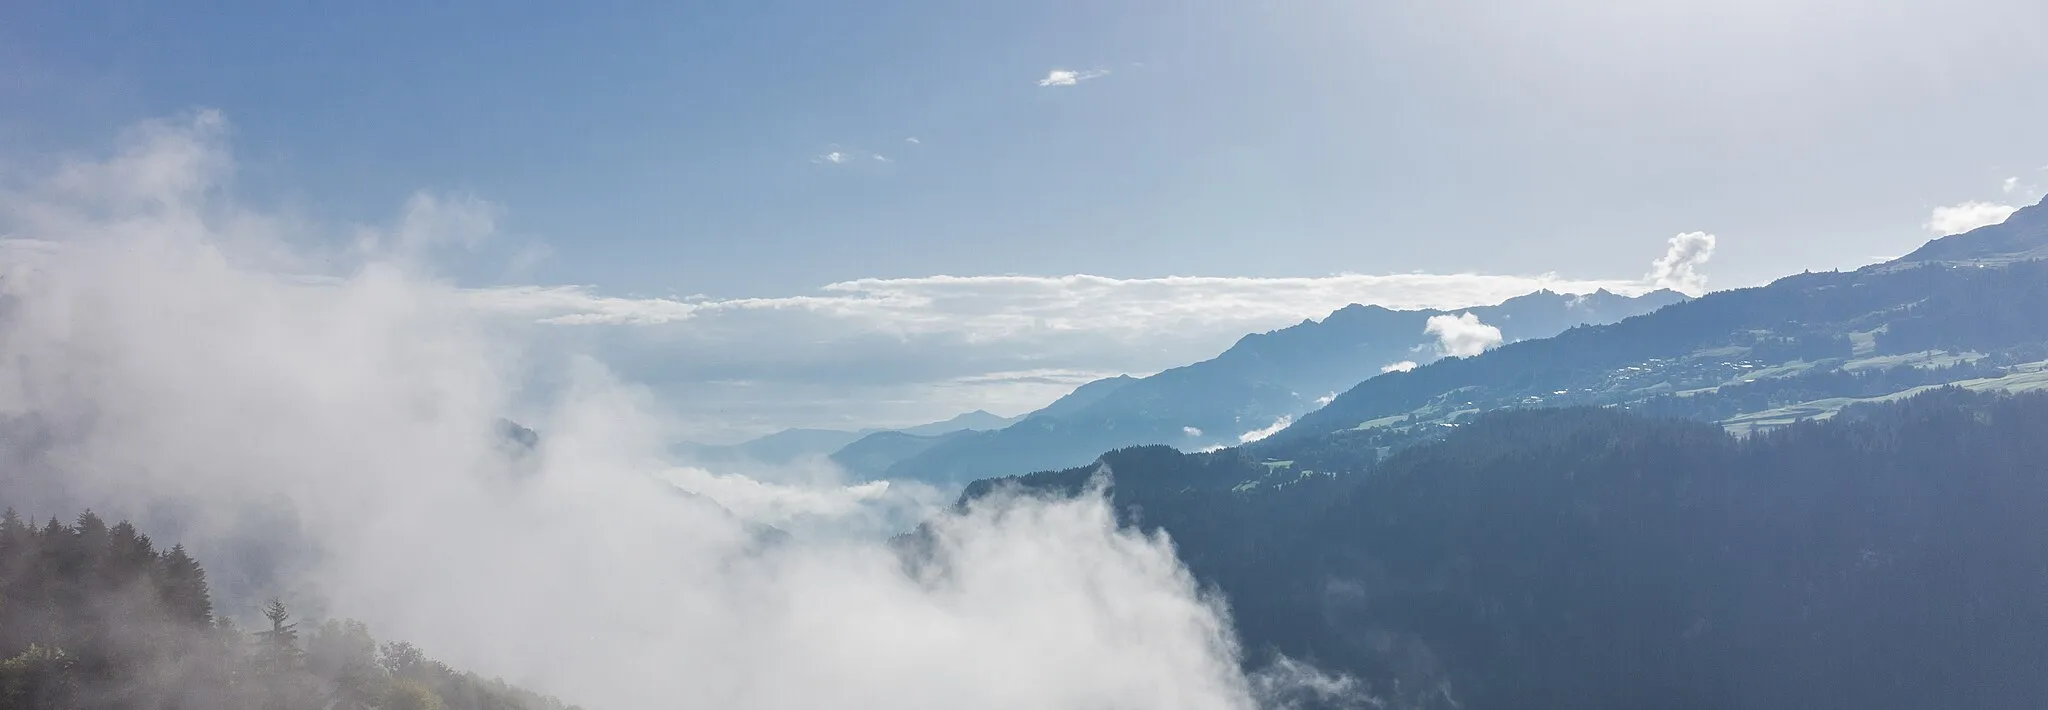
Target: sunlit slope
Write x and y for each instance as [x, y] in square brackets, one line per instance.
[1809, 343]
[1262, 379]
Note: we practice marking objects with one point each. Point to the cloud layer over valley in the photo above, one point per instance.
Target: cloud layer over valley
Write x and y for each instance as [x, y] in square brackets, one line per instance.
[885, 352]
[879, 351]
[168, 356]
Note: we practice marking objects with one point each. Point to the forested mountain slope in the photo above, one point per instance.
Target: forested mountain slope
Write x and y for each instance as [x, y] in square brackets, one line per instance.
[94, 617]
[2023, 235]
[1894, 556]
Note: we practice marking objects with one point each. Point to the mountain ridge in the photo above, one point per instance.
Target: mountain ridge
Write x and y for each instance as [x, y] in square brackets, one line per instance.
[1595, 558]
[790, 446]
[2022, 235]
[1942, 309]
[1261, 379]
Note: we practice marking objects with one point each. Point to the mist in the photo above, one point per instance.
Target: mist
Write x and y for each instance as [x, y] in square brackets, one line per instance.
[314, 412]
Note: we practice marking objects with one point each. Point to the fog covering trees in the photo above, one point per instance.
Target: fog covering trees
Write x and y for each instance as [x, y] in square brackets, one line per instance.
[94, 617]
[315, 414]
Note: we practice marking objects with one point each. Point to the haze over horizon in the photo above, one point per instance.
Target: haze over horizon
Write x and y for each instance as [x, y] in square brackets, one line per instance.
[898, 214]
[453, 324]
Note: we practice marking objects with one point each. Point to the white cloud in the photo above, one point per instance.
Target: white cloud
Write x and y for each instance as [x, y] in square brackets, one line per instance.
[1069, 77]
[816, 502]
[1462, 335]
[577, 305]
[912, 140]
[159, 164]
[1328, 398]
[1679, 268]
[1971, 214]
[776, 503]
[1258, 434]
[170, 367]
[845, 156]
[1963, 217]
[863, 352]
[1190, 431]
[1402, 366]
[1009, 306]
[904, 351]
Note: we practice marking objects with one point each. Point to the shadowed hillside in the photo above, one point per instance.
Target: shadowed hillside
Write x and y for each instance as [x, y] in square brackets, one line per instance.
[95, 617]
[1891, 557]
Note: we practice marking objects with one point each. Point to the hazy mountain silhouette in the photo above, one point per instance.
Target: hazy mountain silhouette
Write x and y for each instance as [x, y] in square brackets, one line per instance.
[1260, 379]
[789, 446]
[976, 420]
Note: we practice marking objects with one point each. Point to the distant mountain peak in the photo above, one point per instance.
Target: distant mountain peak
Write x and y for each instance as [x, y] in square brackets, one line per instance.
[979, 420]
[1265, 377]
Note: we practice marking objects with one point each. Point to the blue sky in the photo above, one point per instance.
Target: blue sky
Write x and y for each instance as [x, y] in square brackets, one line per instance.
[649, 149]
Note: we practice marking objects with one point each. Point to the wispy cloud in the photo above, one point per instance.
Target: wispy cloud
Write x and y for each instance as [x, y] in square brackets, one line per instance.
[1971, 214]
[994, 307]
[1261, 433]
[1965, 216]
[853, 353]
[787, 505]
[577, 305]
[843, 156]
[1462, 335]
[1070, 77]
[900, 351]
[1402, 366]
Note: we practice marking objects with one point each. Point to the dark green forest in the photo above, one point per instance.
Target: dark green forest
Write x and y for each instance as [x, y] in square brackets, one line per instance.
[1894, 556]
[95, 617]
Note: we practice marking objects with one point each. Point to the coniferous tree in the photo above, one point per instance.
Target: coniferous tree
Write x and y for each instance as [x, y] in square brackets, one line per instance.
[17, 550]
[93, 617]
[184, 589]
[278, 647]
[279, 663]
